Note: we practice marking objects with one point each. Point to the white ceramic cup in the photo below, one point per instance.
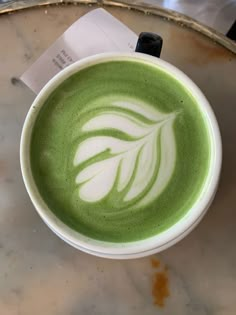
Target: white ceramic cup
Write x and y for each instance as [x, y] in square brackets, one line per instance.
[138, 248]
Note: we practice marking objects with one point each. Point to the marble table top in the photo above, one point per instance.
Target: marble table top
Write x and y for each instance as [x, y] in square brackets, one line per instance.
[39, 273]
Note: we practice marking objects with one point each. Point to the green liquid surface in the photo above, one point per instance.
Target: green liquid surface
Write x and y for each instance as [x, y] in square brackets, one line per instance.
[120, 151]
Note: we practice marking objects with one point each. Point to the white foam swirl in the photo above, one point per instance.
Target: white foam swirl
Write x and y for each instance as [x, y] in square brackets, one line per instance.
[138, 166]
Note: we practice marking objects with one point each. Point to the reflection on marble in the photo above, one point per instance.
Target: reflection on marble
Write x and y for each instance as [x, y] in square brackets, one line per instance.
[218, 14]
[39, 273]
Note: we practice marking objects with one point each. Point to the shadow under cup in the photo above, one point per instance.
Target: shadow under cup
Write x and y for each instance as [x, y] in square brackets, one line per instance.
[150, 124]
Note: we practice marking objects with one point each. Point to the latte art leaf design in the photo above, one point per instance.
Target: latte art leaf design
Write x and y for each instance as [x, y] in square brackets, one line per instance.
[127, 155]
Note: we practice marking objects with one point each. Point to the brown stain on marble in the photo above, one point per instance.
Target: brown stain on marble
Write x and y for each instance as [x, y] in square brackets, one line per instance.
[199, 50]
[160, 283]
[160, 289]
[155, 262]
[206, 53]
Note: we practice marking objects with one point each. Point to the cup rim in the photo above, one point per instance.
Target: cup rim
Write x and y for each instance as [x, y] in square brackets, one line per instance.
[152, 244]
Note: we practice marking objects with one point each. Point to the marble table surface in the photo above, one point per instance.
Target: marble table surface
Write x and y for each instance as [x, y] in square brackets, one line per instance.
[39, 273]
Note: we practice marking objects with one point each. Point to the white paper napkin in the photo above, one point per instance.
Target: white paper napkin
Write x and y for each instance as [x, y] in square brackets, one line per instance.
[95, 32]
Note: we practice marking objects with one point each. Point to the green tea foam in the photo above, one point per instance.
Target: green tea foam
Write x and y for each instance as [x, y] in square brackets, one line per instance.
[120, 151]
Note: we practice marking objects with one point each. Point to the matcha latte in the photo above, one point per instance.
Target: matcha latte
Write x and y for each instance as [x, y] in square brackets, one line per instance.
[120, 151]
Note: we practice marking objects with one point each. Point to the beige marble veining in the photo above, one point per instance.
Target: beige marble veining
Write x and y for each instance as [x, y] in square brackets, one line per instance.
[39, 273]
